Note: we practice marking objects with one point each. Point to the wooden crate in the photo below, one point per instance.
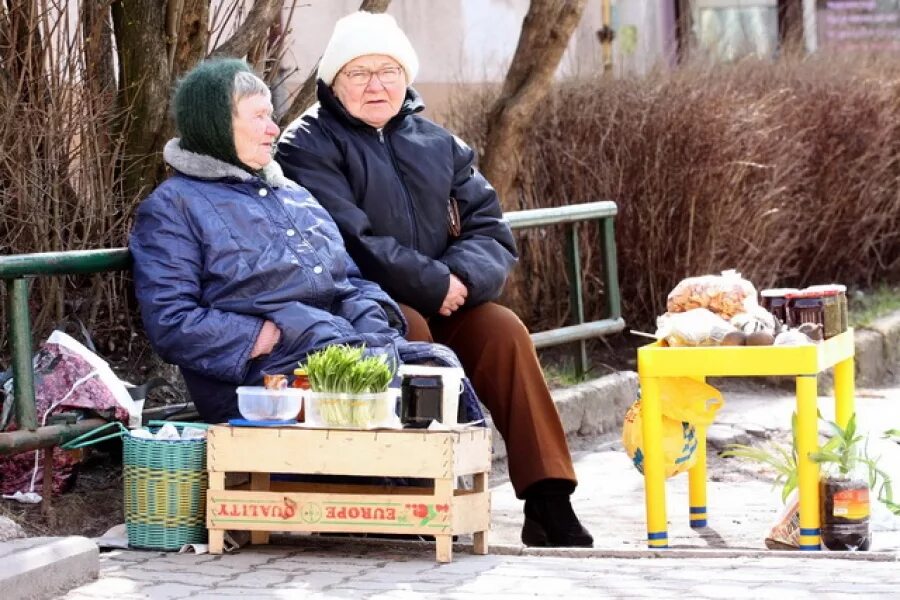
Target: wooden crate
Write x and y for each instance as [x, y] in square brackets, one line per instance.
[265, 506]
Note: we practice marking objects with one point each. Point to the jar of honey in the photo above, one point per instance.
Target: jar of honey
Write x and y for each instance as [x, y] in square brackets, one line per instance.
[834, 298]
[301, 379]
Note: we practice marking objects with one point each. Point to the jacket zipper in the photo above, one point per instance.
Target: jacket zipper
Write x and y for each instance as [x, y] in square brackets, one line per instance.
[410, 209]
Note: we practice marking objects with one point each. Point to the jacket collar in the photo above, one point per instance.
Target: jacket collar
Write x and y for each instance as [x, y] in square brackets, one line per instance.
[412, 104]
[203, 166]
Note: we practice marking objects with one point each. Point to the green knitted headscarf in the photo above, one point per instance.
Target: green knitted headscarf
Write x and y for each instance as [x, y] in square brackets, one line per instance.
[203, 112]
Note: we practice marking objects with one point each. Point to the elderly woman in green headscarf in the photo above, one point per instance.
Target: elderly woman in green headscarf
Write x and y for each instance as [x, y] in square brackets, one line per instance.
[238, 270]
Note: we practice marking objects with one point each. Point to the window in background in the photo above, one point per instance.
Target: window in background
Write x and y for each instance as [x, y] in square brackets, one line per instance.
[731, 29]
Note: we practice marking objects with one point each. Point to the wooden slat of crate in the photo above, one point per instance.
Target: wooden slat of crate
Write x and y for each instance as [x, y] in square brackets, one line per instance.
[471, 512]
[473, 451]
[273, 511]
[344, 452]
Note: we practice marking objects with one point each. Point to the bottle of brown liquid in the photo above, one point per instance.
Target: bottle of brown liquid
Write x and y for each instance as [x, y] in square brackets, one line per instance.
[845, 513]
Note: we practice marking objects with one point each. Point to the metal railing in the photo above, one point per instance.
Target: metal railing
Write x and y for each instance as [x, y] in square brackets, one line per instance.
[15, 271]
[572, 216]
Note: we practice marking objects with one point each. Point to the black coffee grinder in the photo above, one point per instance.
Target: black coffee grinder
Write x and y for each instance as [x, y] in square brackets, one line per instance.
[421, 400]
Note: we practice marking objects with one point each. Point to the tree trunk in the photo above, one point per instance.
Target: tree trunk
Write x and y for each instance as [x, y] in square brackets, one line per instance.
[98, 47]
[193, 36]
[306, 96]
[546, 31]
[144, 87]
[254, 29]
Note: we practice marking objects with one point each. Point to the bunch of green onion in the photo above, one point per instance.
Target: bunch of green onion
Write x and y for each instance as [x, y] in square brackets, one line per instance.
[341, 369]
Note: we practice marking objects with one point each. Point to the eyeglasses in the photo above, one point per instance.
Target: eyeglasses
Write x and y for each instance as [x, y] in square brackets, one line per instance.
[361, 77]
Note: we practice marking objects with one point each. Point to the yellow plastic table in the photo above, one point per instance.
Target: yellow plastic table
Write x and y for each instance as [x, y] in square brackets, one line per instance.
[803, 362]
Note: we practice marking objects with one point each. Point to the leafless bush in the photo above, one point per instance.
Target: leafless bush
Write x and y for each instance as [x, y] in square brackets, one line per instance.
[787, 171]
[81, 132]
[59, 181]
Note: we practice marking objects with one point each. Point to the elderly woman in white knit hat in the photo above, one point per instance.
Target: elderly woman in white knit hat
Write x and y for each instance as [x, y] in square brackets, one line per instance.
[421, 221]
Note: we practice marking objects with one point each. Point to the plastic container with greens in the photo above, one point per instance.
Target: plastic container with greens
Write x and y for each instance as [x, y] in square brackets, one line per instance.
[350, 390]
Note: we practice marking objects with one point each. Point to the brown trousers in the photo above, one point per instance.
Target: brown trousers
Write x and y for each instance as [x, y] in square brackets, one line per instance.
[500, 361]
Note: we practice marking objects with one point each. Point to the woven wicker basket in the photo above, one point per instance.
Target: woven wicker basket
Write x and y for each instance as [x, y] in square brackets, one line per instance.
[165, 486]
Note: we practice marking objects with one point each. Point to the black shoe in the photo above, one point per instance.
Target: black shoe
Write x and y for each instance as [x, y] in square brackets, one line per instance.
[550, 522]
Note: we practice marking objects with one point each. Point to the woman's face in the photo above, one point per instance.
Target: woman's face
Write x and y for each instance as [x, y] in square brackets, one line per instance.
[254, 131]
[371, 88]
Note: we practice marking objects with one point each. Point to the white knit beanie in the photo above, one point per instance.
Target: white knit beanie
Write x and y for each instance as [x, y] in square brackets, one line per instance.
[362, 33]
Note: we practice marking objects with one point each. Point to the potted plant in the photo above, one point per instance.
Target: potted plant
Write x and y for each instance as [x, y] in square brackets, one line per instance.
[848, 475]
[349, 389]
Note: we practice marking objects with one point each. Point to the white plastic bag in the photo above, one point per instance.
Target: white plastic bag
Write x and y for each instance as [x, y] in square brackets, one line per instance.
[697, 327]
[110, 380]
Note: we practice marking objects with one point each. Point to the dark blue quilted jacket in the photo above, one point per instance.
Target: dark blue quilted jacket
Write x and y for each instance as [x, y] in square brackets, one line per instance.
[389, 190]
[217, 251]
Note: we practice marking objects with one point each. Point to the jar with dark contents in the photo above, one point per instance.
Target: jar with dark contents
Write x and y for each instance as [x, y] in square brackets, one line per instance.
[775, 301]
[805, 306]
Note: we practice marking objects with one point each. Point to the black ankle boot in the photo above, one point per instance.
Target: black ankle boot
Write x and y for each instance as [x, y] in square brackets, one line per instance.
[551, 522]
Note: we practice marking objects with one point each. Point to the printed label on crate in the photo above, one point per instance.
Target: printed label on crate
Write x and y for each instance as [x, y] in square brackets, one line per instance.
[223, 511]
[851, 504]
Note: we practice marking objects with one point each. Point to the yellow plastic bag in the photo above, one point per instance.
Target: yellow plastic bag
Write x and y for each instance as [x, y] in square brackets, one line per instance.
[686, 399]
[685, 403]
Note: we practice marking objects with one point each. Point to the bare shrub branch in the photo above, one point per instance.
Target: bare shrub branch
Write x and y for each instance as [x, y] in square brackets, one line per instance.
[788, 171]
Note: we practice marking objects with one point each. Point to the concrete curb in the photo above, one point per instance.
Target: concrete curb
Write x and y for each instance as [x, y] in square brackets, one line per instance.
[515, 550]
[44, 567]
[878, 352]
[591, 408]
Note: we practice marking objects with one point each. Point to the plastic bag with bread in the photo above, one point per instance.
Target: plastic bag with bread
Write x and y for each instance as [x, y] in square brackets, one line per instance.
[726, 295]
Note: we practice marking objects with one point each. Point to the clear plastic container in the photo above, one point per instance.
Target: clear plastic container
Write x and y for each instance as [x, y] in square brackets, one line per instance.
[352, 411]
[257, 403]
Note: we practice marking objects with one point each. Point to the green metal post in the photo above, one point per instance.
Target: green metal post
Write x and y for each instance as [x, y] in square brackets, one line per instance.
[575, 294]
[14, 442]
[19, 325]
[611, 269]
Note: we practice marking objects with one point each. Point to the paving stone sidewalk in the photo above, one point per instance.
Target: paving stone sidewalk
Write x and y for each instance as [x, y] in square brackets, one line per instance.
[356, 571]
[727, 560]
